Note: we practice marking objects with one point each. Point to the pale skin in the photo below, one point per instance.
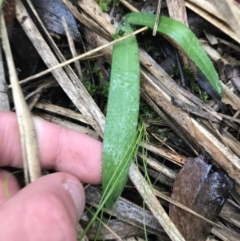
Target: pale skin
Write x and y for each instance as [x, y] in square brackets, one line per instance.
[49, 208]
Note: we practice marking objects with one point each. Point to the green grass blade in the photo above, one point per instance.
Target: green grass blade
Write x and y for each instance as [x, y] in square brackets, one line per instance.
[184, 39]
[122, 114]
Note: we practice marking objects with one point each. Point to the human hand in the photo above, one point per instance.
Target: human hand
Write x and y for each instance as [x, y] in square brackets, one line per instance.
[50, 207]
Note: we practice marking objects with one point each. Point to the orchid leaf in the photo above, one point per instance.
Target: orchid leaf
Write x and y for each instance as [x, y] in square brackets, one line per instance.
[184, 39]
[120, 135]
[122, 113]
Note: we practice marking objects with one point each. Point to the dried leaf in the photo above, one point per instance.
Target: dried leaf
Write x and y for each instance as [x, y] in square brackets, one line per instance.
[203, 192]
[51, 13]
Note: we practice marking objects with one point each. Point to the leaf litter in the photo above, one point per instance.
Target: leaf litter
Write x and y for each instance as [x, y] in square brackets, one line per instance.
[158, 133]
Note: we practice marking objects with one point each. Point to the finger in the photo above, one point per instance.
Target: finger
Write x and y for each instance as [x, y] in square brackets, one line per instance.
[8, 186]
[60, 148]
[47, 209]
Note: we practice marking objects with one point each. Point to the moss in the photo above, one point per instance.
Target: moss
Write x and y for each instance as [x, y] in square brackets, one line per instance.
[191, 79]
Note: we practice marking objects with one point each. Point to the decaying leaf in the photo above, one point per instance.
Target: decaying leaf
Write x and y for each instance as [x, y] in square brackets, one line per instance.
[51, 13]
[203, 192]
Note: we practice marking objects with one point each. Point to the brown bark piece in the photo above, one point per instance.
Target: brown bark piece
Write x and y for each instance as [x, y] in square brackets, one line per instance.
[177, 10]
[201, 191]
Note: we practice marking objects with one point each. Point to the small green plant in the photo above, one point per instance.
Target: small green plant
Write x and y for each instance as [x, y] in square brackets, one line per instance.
[146, 110]
[104, 4]
[191, 78]
[95, 89]
[204, 96]
[120, 142]
[189, 74]
[197, 90]
[91, 88]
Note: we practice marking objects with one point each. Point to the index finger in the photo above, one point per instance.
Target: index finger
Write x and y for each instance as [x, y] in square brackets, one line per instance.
[60, 148]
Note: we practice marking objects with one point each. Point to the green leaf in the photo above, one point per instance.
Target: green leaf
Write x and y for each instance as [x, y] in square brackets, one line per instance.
[122, 115]
[120, 136]
[184, 39]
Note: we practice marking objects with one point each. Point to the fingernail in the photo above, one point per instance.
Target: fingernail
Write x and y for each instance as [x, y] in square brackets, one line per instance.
[76, 193]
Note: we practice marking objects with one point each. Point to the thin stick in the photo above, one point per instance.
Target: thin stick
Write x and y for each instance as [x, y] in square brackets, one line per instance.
[178, 204]
[129, 6]
[72, 47]
[26, 127]
[157, 17]
[81, 56]
[156, 208]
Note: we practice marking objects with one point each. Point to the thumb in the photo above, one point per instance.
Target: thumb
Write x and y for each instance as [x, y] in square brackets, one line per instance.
[47, 209]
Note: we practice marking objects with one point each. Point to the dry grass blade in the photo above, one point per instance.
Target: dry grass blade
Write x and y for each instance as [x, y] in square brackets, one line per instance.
[72, 47]
[69, 125]
[156, 208]
[160, 168]
[80, 97]
[114, 230]
[165, 117]
[126, 211]
[225, 234]
[231, 12]
[89, 53]
[199, 134]
[80, 232]
[128, 5]
[111, 231]
[4, 101]
[178, 204]
[214, 21]
[169, 155]
[157, 17]
[54, 109]
[27, 132]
